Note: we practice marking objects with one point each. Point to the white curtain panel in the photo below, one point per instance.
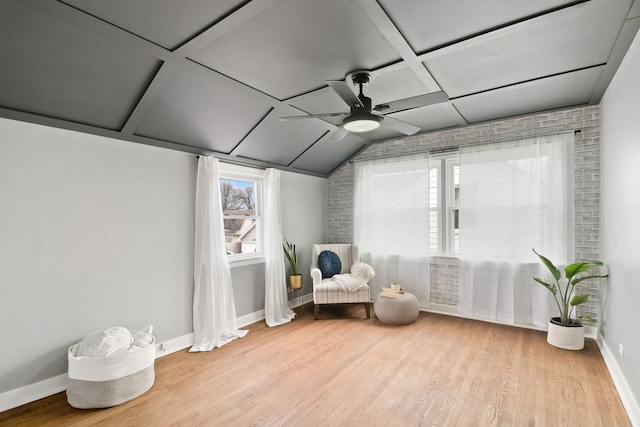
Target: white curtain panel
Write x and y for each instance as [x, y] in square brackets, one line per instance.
[514, 196]
[276, 307]
[391, 222]
[214, 311]
[411, 271]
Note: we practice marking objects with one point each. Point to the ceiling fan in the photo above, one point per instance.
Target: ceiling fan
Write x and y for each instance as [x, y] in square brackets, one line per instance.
[362, 118]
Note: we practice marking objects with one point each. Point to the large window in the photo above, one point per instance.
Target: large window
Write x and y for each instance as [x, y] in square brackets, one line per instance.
[444, 204]
[241, 199]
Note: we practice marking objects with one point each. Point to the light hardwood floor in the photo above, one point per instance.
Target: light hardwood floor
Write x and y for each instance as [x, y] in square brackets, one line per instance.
[345, 370]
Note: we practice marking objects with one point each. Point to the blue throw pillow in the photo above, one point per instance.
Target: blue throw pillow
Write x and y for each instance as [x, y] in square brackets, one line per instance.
[329, 264]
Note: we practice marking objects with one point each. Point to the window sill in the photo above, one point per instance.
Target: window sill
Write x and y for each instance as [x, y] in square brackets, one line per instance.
[445, 257]
[243, 262]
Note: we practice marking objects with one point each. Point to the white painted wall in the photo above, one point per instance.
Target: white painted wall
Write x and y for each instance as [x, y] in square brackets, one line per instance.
[304, 213]
[620, 219]
[96, 232]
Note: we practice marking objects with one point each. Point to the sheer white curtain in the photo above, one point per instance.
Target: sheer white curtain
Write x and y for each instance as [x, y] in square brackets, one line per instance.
[214, 311]
[391, 222]
[514, 196]
[276, 308]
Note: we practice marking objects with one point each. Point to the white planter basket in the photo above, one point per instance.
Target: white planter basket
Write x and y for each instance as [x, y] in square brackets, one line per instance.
[566, 337]
[102, 382]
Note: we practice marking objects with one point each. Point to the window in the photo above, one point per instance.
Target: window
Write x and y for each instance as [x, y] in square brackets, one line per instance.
[514, 197]
[444, 204]
[241, 197]
[391, 206]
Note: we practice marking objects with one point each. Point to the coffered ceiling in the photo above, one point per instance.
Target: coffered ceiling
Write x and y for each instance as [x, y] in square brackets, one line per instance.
[213, 77]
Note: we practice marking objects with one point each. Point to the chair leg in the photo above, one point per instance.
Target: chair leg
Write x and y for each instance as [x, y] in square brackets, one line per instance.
[316, 310]
[366, 308]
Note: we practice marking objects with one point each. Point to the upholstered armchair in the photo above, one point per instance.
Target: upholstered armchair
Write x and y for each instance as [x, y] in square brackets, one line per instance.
[326, 290]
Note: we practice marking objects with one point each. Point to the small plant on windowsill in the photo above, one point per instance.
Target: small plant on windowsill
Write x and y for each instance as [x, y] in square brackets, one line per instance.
[295, 279]
[567, 330]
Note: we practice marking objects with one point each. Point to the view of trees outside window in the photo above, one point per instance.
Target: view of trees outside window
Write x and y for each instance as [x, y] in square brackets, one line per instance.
[238, 200]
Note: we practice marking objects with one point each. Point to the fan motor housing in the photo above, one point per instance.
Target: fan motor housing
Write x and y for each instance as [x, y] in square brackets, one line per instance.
[360, 78]
[366, 104]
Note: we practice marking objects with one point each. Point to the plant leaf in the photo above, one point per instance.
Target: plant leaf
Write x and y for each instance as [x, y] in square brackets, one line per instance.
[552, 288]
[575, 268]
[587, 319]
[579, 299]
[552, 268]
[577, 280]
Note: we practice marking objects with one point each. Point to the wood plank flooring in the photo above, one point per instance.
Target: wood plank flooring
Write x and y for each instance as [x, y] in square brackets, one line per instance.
[345, 370]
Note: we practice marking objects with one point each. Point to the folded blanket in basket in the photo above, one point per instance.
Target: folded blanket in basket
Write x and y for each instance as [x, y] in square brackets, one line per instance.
[126, 372]
[85, 365]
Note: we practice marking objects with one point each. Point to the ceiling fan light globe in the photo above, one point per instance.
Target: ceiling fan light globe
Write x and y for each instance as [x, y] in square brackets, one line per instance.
[361, 124]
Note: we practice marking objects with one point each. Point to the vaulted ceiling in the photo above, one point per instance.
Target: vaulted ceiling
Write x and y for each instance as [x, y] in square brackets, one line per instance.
[208, 76]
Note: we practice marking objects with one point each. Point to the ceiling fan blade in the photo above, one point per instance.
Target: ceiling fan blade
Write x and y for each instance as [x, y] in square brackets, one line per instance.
[339, 134]
[413, 102]
[344, 91]
[400, 126]
[313, 116]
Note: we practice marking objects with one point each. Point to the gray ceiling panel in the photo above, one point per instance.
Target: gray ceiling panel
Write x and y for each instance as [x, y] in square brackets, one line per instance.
[398, 83]
[540, 47]
[324, 100]
[428, 118]
[385, 86]
[213, 76]
[324, 156]
[382, 133]
[635, 10]
[545, 94]
[203, 110]
[430, 24]
[296, 45]
[55, 69]
[280, 142]
[166, 23]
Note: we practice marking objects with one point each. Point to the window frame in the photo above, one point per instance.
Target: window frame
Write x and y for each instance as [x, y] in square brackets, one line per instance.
[445, 164]
[233, 172]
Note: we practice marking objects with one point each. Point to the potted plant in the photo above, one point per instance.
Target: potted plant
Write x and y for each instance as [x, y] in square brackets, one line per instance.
[295, 279]
[567, 331]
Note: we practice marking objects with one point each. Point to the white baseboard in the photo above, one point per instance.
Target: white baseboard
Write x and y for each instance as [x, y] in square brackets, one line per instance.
[32, 392]
[250, 318]
[631, 405]
[304, 299]
[174, 344]
[590, 331]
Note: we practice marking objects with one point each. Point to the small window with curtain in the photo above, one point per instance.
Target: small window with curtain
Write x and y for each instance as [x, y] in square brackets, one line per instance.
[241, 197]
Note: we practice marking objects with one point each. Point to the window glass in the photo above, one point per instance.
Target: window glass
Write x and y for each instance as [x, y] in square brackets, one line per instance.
[434, 172]
[238, 208]
[444, 202]
[240, 197]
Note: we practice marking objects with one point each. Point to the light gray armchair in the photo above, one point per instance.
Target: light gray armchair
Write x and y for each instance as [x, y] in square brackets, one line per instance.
[328, 291]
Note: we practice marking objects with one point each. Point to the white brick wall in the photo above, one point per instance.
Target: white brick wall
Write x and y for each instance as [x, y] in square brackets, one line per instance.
[444, 274]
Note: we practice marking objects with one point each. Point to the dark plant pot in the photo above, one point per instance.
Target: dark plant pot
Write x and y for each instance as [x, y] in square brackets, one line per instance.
[569, 337]
[575, 323]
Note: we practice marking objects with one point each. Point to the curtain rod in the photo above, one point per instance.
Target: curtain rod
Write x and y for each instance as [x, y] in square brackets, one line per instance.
[448, 149]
